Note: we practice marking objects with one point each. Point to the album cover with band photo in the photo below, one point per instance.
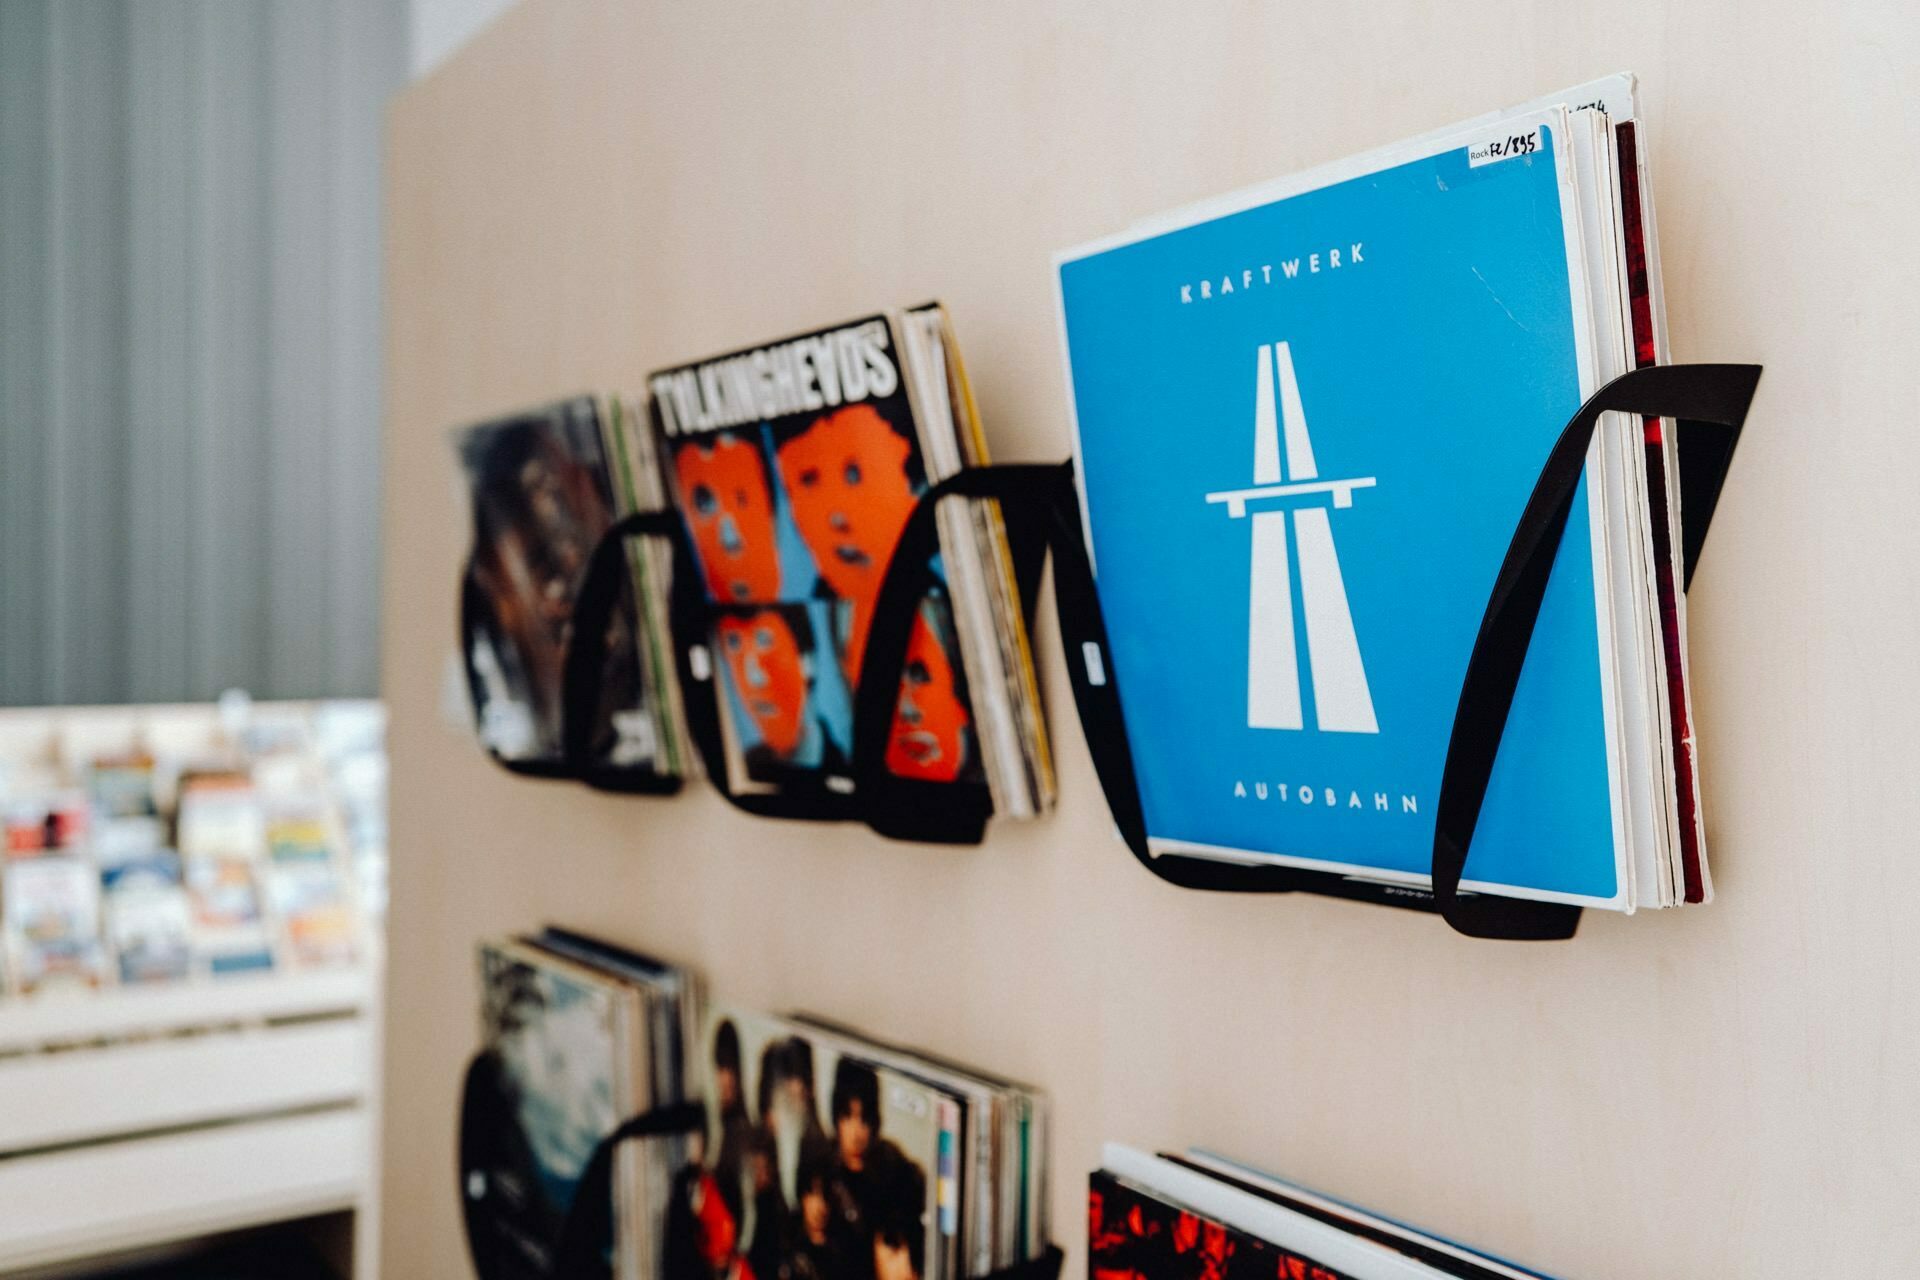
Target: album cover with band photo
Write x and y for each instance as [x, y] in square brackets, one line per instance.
[815, 1164]
[796, 466]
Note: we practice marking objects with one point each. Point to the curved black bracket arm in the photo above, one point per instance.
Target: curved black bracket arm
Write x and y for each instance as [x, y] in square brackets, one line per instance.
[691, 619]
[913, 808]
[604, 585]
[1709, 403]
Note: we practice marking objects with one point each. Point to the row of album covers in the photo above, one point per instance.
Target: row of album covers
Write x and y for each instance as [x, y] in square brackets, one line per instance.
[1306, 418]
[823, 1153]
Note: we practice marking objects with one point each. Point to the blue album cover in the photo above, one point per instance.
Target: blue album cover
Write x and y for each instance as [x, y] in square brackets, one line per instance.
[1306, 427]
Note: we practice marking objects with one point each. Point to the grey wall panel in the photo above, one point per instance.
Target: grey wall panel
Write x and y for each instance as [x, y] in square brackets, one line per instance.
[190, 338]
[300, 393]
[229, 612]
[25, 165]
[85, 480]
[374, 62]
[161, 346]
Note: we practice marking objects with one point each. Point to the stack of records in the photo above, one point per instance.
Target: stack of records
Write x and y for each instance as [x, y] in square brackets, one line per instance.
[1308, 417]
[832, 1156]
[545, 485]
[1201, 1217]
[578, 1036]
[796, 465]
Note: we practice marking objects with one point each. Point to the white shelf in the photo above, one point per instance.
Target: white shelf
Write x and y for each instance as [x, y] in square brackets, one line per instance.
[54, 1099]
[98, 1200]
[74, 1017]
[141, 1116]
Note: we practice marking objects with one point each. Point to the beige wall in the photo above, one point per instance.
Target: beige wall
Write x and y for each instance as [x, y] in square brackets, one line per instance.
[591, 190]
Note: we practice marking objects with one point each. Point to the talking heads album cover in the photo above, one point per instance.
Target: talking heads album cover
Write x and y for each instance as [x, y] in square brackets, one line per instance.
[1307, 419]
[814, 1165]
[795, 466]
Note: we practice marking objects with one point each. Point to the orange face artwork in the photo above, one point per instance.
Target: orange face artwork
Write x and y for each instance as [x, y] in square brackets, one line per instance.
[764, 658]
[929, 721]
[723, 490]
[846, 482]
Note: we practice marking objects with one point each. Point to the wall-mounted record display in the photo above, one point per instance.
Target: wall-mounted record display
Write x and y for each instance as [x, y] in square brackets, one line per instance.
[1371, 562]
[750, 533]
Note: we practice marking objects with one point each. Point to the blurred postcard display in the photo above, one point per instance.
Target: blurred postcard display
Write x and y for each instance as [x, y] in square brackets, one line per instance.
[263, 853]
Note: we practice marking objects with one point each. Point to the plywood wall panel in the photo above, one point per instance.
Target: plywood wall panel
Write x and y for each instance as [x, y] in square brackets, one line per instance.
[591, 190]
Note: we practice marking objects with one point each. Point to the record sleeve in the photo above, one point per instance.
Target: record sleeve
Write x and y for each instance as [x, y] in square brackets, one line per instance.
[552, 1076]
[231, 933]
[1307, 418]
[816, 1165]
[1134, 1234]
[1446, 1257]
[1233, 1212]
[1001, 1177]
[309, 881]
[122, 786]
[795, 466]
[314, 906]
[543, 491]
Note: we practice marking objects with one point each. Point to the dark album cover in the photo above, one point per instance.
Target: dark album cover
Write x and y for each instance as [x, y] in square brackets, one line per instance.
[546, 1081]
[1132, 1235]
[796, 466]
[542, 489]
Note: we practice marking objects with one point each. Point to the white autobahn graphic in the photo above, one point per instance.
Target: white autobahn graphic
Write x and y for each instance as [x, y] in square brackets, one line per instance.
[1342, 703]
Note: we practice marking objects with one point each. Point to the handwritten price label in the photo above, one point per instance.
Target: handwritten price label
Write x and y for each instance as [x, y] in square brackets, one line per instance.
[1506, 147]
